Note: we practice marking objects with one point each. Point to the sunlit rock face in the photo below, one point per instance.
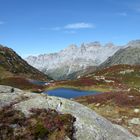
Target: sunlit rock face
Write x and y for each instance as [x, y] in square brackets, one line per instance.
[72, 59]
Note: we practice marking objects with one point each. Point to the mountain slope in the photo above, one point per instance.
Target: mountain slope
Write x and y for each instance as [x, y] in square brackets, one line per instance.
[16, 72]
[11, 64]
[128, 55]
[72, 59]
[81, 73]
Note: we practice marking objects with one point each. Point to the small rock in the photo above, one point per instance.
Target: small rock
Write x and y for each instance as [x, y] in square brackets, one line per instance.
[135, 121]
[66, 138]
[129, 89]
[12, 90]
[98, 104]
[136, 110]
[131, 96]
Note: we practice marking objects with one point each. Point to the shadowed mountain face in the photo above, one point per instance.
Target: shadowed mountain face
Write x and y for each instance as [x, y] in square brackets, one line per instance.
[11, 64]
[128, 55]
[72, 59]
[15, 71]
[78, 74]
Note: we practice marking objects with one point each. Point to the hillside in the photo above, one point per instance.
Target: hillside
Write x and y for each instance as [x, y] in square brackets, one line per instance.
[117, 77]
[119, 100]
[80, 73]
[128, 55]
[34, 116]
[122, 108]
[14, 69]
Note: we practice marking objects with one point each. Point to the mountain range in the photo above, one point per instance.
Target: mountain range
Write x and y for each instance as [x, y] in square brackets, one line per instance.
[72, 59]
[75, 61]
[128, 55]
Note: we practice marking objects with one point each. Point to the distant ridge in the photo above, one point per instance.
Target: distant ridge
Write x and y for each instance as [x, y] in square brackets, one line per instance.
[72, 59]
[130, 54]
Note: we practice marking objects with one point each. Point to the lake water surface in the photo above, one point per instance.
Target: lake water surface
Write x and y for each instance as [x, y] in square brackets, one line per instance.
[64, 92]
[69, 92]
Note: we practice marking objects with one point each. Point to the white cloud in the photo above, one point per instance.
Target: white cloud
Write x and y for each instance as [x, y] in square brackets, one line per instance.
[80, 25]
[124, 14]
[70, 28]
[2, 22]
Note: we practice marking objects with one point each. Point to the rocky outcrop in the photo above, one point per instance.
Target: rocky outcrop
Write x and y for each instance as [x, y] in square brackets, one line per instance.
[88, 125]
[72, 59]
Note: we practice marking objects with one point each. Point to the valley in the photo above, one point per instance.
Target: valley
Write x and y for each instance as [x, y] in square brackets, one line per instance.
[69, 70]
[111, 90]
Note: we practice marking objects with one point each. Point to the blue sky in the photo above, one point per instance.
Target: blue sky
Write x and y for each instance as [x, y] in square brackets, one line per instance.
[44, 26]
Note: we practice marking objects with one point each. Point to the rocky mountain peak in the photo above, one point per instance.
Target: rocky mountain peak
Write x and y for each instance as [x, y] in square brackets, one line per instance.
[72, 59]
[134, 43]
[71, 47]
[94, 45]
[109, 45]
